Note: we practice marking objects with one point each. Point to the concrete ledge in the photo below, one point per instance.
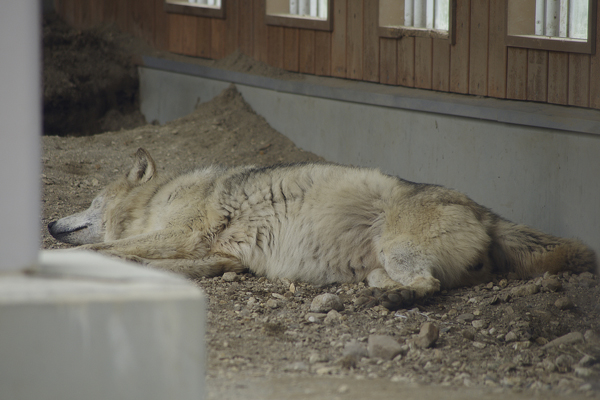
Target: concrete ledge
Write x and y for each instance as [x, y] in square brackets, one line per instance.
[540, 115]
[83, 326]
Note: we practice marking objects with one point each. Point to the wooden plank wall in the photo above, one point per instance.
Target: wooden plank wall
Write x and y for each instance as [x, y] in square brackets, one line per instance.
[478, 63]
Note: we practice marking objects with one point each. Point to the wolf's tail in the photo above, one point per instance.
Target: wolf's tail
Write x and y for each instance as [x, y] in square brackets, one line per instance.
[528, 252]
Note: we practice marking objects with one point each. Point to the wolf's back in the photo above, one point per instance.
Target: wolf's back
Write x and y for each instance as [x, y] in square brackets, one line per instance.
[529, 252]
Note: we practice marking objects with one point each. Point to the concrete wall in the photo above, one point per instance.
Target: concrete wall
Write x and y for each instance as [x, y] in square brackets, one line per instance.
[546, 178]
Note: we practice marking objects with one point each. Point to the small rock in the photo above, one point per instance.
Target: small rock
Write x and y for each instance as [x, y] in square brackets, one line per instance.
[315, 317]
[564, 361]
[586, 361]
[343, 389]
[505, 297]
[230, 277]
[356, 349]
[522, 345]
[479, 345]
[272, 303]
[552, 284]
[382, 346]
[549, 365]
[564, 303]
[468, 334]
[569, 338]
[503, 283]
[333, 318]
[467, 317]
[326, 302]
[525, 290]
[428, 335]
[591, 337]
[480, 324]
[316, 357]
[511, 337]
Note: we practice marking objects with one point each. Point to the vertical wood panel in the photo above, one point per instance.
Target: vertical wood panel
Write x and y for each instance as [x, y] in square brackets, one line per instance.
[558, 77]
[338, 39]
[110, 10]
[231, 27]
[388, 63]
[516, 81]
[579, 80]
[537, 75]
[459, 53]
[423, 62]
[406, 61]
[497, 50]
[440, 74]
[245, 22]
[183, 34]
[371, 42]
[161, 26]
[203, 37]
[97, 12]
[275, 56]
[307, 51]
[478, 47]
[323, 53]
[595, 69]
[290, 49]
[123, 15]
[261, 35]
[218, 38]
[354, 33]
[142, 19]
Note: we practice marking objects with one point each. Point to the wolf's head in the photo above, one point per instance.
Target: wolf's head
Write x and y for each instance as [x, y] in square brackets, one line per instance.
[90, 226]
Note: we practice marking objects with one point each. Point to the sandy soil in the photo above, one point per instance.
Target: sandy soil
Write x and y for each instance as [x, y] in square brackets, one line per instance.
[498, 337]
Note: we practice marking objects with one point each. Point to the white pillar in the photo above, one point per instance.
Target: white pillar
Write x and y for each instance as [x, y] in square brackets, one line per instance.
[20, 126]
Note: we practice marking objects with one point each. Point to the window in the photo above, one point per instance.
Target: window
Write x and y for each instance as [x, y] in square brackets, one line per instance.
[429, 18]
[200, 8]
[560, 25]
[309, 14]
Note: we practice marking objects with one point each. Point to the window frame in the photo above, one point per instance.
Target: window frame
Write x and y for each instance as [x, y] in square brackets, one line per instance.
[294, 21]
[396, 32]
[554, 43]
[183, 7]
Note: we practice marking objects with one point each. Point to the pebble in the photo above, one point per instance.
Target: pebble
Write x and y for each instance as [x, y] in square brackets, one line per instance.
[467, 317]
[428, 335]
[326, 302]
[525, 290]
[564, 303]
[272, 303]
[552, 284]
[383, 346]
[333, 318]
[479, 345]
[586, 361]
[356, 349]
[480, 324]
[569, 338]
[511, 337]
[583, 372]
[230, 277]
[315, 317]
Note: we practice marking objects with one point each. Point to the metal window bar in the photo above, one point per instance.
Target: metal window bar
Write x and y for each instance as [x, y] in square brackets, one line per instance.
[309, 8]
[427, 14]
[562, 18]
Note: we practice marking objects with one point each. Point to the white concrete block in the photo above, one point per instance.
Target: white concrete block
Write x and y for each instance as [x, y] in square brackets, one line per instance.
[83, 326]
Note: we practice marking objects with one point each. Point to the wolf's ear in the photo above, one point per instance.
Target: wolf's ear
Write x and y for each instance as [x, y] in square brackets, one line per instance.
[143, 169]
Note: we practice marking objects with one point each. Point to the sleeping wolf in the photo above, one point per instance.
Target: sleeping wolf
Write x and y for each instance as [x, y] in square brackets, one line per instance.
[317, 223]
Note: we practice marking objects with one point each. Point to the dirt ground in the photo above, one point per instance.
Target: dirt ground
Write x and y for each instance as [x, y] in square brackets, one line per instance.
[505, 336]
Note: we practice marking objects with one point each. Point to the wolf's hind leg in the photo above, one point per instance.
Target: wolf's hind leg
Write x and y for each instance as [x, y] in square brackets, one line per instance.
[213, 265]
